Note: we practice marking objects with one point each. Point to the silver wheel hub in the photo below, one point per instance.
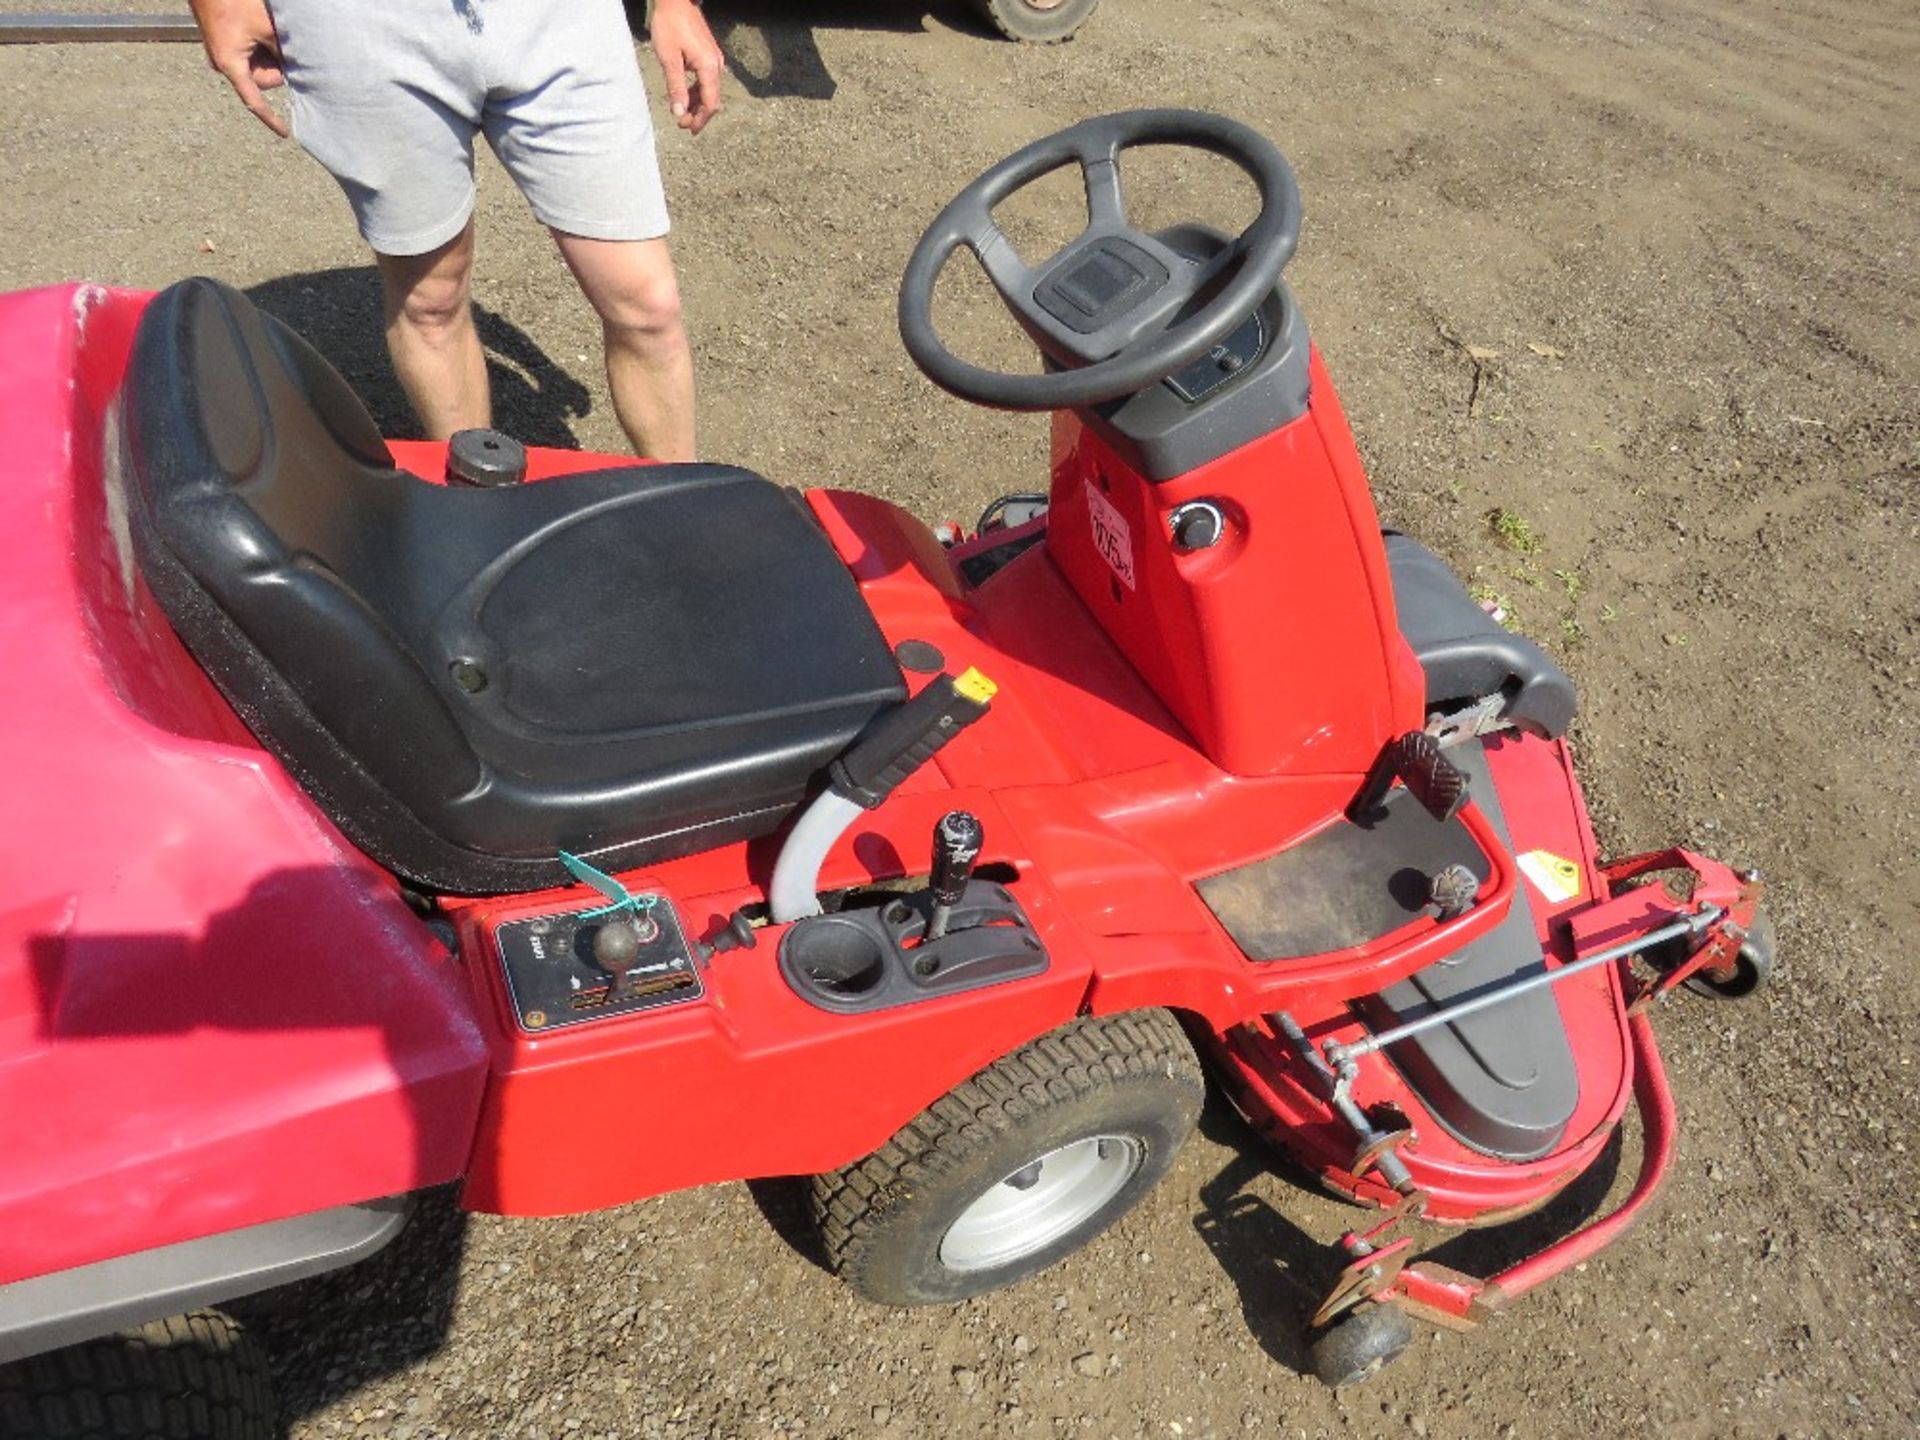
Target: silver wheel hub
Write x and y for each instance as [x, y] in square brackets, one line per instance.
[1044, 1200]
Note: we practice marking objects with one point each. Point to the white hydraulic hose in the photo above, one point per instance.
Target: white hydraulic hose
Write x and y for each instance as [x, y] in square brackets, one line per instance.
[795, 893]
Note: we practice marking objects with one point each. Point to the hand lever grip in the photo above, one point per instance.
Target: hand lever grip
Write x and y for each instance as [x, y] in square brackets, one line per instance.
[906, 737]
[956, 846]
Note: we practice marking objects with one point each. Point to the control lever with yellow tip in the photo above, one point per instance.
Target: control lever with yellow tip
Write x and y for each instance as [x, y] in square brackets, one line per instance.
[903, 739]
[890, 749]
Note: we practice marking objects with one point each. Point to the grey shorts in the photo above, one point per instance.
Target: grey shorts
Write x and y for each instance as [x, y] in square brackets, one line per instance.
[388, 95]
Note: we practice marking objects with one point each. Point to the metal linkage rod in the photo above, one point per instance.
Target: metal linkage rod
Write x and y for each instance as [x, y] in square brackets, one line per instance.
[1340, 1096]
[1342, 1055]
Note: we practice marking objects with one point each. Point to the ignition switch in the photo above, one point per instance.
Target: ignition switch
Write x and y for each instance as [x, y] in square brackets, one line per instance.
[1197, 525]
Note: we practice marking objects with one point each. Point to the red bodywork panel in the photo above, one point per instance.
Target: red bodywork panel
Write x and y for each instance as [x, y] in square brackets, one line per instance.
[1087, 783]
[1276, 648]
[214, 1012]
[1544, 811]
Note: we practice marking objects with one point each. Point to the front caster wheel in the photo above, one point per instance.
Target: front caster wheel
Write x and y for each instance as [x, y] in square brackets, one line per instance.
[1752, 966]
[1360, 1344]
[1017, 1167]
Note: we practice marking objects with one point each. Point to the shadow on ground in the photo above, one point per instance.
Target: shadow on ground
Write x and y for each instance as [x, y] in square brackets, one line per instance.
[1279, 1271]
[339, 313]
[1282, 1274]
[784, 1205]
[329, 1336]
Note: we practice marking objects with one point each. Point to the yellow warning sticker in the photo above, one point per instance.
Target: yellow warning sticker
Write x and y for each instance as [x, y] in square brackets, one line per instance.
[1556, 878]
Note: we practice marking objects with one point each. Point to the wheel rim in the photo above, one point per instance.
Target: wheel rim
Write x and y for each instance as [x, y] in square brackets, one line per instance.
[1040, 1203]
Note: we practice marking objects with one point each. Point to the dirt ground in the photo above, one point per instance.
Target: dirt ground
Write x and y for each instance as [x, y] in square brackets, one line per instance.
[1640, 273]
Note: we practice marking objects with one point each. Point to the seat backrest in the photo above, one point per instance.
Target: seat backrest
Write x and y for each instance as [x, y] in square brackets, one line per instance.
[266, 507]
[633, 662]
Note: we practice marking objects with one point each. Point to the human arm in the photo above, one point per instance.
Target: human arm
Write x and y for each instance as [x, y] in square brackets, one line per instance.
[691, 59]
[242, 45]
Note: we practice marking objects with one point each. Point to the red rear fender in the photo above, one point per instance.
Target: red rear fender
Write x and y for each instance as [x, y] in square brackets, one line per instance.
[213, 1011]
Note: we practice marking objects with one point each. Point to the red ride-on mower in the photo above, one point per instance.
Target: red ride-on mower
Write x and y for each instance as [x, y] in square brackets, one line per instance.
[380, 816]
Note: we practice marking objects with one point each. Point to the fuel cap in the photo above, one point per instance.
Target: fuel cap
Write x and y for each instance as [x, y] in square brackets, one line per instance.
[485, 457]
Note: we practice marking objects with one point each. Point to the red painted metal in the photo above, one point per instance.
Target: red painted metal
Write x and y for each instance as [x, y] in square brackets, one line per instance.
[1715, 954]
[1086, 784]
[1447, 1297]
[213, 1011]
[1659, 1121]
[1544, 811]
[1225, 635]
[1439, 1295]
[751, 1080]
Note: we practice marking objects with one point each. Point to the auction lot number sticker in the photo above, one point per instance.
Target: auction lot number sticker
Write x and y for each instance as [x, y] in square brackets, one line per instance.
[1111, 537]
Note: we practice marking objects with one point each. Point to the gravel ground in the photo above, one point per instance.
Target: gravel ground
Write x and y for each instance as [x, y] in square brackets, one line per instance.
[1642, 274]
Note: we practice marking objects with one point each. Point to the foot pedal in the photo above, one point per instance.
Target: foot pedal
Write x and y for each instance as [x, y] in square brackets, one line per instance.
[1416, 761]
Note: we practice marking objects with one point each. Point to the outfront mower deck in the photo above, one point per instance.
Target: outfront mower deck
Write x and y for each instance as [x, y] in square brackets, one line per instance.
[582, 830]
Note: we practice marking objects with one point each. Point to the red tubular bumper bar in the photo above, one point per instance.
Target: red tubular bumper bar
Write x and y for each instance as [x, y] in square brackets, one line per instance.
[1449, 1298]
[1658, 1121]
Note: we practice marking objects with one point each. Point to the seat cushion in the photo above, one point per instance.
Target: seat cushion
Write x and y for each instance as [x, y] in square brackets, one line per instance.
[629, 663]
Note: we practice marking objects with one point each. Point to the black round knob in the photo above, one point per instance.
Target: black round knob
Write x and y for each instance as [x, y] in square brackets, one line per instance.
[485, 457]
[1198, 524]
[616, 945]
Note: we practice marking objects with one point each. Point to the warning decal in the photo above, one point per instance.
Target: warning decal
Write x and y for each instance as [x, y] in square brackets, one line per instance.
[1556, 878]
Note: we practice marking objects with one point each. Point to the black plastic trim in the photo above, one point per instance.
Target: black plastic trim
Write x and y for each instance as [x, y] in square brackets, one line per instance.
[1165, 433]
[1502, 1081]
[629, 664]
[1137, 348]
[1467, 654]
[876, 959]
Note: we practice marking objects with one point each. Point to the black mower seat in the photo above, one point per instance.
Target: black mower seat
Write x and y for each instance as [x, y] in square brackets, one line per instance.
[630, 664]
[1466, 653]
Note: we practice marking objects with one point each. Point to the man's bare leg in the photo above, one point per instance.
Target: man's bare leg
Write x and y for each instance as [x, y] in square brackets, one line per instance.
[649, 363]
[436, 351]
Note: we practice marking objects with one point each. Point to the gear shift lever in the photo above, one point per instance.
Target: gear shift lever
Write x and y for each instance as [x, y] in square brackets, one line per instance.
[956, 845]
[616, 945]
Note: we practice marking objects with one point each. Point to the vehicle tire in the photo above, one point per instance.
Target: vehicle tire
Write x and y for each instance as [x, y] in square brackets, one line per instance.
[1016, 1168]
[1038, 22]
[192, 1377]
[1753, 966]
[1360, 1344]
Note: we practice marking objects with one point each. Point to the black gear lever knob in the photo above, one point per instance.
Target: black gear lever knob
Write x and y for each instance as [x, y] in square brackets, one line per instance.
[616, 945]
[956, 846]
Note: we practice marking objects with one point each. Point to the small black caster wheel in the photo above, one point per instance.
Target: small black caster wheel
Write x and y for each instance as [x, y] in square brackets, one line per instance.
[1752, 966]
[1361, 1343]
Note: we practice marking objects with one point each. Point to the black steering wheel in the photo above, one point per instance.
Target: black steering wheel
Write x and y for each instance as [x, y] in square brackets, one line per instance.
[1111, 307]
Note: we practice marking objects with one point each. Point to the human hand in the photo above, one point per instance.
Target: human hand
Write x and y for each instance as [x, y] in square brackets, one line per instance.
[686, 48]
[241, 45]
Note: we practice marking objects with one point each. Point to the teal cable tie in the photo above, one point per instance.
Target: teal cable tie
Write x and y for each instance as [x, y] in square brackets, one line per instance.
[621, 897]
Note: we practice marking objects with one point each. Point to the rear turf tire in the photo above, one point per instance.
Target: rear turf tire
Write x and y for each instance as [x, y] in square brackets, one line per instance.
[1038, 22]
[1016, 1168]
[193, 1377]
